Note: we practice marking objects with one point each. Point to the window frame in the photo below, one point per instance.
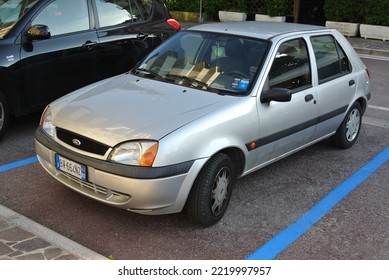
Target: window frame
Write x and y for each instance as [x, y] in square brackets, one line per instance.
[338, 49]
[308, 54]
[66, 33]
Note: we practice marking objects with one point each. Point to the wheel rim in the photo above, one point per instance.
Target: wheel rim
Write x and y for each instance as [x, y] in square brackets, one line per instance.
[220, 190]
[352, 126]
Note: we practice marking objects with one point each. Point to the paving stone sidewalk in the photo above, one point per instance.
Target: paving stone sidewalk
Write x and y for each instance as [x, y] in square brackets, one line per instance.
[24, 239]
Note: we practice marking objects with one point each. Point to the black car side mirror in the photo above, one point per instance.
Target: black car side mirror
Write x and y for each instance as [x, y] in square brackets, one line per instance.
[276, 94]
[38, 32]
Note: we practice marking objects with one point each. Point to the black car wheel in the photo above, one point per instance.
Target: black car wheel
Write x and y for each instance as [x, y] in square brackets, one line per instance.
[348, 132]
[4, 115]
[211, 192]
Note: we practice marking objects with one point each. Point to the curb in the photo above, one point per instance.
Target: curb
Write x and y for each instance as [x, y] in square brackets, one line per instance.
[371, 52]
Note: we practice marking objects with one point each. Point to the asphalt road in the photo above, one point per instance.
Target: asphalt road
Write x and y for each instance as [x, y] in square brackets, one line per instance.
[263, 205]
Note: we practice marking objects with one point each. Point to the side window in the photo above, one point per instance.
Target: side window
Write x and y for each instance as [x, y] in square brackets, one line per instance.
[291, 68]
[331, 60]
[145, 7]
[116, 12]
[64, 16]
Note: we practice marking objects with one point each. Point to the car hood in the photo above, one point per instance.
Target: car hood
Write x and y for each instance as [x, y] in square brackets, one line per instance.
[127, 107]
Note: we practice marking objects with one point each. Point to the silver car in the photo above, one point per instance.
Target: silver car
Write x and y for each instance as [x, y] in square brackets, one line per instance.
[210, 105]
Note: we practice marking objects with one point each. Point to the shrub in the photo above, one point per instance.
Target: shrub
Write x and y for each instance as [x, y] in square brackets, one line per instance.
[180, 5]
[376, 12]
[276, 7]
[343, 10]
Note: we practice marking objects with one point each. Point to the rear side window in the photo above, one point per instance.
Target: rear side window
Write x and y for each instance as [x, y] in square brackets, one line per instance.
[331, 60]
[145, 7]
[116, 12]
[291, 68]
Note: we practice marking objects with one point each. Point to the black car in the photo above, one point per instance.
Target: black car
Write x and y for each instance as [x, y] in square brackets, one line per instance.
[51, 47]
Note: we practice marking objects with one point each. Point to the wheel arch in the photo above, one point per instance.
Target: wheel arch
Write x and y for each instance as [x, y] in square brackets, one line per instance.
[363, 103]
[237, 156]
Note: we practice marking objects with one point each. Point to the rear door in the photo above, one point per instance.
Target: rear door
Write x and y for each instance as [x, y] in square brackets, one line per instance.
[53, 67]
[337, 83]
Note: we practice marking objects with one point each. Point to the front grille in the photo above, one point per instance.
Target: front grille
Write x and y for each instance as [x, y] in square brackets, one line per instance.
[81, 142]
[98, 192]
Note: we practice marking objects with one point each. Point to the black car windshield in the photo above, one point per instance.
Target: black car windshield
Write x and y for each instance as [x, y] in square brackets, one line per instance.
[222, 63]
[11, 11]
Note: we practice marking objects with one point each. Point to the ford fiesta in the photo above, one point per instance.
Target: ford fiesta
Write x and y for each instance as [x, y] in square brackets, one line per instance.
[210, 105]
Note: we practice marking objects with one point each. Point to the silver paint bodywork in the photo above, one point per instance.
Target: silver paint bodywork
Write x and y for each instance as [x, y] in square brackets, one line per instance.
[193, 125]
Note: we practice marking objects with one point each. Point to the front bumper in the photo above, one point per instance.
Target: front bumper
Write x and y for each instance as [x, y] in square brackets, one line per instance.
[159, 191]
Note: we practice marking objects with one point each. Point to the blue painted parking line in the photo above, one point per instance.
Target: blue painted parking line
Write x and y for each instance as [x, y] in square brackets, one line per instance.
[18, 164]
[289, 235]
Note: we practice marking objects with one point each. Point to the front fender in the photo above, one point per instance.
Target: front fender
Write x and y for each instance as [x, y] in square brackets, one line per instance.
[229, 127]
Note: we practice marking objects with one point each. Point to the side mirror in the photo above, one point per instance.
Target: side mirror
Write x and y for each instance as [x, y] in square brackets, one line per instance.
[38, 32]
[276, 94]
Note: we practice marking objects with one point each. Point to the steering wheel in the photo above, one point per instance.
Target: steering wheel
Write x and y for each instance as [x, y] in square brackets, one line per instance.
[237, 73]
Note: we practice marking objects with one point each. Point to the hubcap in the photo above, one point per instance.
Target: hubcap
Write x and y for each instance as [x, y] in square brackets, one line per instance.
[352, 126]
[220, 190]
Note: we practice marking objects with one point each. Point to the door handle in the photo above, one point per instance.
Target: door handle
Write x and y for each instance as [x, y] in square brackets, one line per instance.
[308, 97]
[89, 45]
[142, 36]
[351, 83]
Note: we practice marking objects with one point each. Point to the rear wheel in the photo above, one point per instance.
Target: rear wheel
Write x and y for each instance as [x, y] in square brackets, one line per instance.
[348, 131]
[211, 192]
[4, 115]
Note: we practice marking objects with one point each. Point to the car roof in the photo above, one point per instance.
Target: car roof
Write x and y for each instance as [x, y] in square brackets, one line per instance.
[257, 29]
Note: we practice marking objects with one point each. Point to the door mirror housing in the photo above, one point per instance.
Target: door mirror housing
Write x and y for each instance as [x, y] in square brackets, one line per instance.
[38, 32]
[276, 94]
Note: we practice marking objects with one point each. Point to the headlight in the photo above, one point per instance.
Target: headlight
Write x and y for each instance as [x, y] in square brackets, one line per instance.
[46, 122]
[140, 153]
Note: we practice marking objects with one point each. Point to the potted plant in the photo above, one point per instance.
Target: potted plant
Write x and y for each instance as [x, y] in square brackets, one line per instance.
[376, 20]
[235, 12]
[343, 15]
[272, 10]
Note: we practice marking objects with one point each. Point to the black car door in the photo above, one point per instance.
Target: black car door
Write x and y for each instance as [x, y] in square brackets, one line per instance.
[126, 32]
[53, 67]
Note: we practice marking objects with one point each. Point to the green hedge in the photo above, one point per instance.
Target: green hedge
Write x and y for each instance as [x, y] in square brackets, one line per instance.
[363, 11]
[344, 10]
[180, 5]
[210, 7]
[376, 12]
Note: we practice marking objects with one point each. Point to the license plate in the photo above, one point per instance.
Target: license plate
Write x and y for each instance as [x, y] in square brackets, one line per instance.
[70, 167]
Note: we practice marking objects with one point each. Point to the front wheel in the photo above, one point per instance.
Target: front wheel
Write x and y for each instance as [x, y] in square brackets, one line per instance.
[348, 131]
[211, 192]
[4, 115]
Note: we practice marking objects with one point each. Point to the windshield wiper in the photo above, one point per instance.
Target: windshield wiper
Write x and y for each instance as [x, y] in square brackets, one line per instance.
[149, 74]
[195, 83]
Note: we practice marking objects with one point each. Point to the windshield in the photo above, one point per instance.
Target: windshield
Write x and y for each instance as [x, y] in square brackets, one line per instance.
[220, 63]
[11, 11]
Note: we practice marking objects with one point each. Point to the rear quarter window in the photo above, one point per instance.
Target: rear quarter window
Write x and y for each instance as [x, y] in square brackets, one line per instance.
[116, 12]
[331, 60]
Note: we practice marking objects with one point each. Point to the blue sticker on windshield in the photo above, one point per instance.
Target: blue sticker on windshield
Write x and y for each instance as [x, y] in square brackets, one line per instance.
[241, 84]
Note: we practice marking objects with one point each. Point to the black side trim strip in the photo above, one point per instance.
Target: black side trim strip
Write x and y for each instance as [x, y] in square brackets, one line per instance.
[135, 172]
[292, 130]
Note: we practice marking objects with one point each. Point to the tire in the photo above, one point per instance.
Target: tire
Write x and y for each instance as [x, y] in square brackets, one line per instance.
[211, 192]
[4, 115]
[348, 131]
